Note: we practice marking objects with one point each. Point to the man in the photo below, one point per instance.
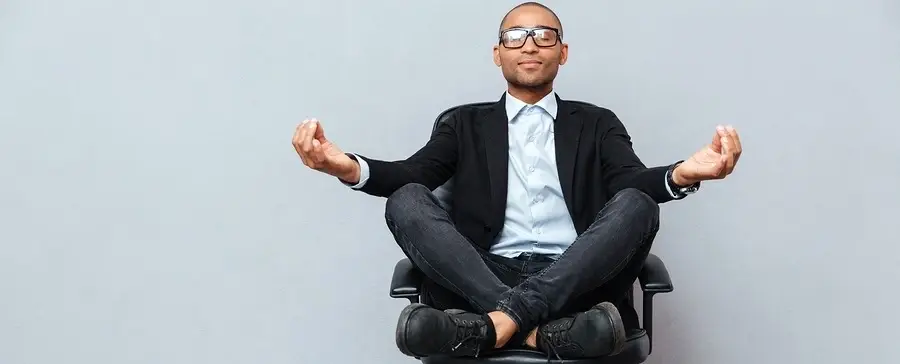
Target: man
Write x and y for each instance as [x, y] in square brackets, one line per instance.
[552, 212]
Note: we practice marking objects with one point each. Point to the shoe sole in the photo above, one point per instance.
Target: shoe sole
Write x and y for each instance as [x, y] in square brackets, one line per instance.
[403, 325]
[615, 319]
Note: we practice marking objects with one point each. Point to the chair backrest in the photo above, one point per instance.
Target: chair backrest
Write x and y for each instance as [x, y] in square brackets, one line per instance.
[446, 114]
[443, 192]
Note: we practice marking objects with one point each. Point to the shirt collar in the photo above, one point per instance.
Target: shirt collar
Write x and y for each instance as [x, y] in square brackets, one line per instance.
[514, 105]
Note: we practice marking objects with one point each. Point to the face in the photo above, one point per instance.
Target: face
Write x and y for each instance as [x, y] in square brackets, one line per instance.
[530, 49]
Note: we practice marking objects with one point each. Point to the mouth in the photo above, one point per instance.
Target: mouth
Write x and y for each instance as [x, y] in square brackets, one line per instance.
[530, 62]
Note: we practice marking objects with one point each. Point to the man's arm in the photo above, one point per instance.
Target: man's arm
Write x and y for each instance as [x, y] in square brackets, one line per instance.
[623, 169]
[431, 166]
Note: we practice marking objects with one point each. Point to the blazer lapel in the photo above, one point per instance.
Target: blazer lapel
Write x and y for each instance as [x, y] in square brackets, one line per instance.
[494, 130]
[567, 132]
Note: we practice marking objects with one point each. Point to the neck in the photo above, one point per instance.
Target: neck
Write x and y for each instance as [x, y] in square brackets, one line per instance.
[530, 95]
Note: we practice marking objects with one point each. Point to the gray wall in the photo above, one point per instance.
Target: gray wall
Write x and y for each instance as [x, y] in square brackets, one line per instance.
[153, 209]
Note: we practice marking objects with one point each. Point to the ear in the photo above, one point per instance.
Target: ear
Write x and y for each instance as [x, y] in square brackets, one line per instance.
[563, 54]
[497, 55]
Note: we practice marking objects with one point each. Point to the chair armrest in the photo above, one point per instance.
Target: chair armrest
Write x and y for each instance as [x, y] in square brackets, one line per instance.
[654, 277]
[406, 281]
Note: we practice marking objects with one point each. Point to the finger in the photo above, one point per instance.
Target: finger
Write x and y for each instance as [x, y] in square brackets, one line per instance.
[727, 135]
[732, 151]
[296, 138]
[309, 150]
[318, 137]
[295, 141]
[736, 139]
[302, 136]
[722, 166]
[306, 147]
[716, 142]
[319, 131]
[318, 155]
[299, 142]
[728, 148]
[303, 159]
[309, 131]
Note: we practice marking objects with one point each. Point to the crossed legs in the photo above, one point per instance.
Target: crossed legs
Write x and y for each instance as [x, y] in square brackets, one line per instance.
[605, 258]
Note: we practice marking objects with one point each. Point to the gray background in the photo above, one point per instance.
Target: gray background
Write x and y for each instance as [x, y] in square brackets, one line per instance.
[152, 209]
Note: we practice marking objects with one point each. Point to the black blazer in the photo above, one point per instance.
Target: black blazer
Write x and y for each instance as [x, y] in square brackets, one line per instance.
[594, 158]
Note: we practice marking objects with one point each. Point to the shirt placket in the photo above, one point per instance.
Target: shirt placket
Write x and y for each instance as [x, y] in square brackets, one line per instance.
[534, 178]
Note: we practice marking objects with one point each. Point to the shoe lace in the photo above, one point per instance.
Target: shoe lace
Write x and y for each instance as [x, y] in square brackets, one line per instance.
[466, 331]
[552, 338]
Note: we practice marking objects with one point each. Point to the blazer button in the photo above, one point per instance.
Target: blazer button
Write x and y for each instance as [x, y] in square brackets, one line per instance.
[487, 229]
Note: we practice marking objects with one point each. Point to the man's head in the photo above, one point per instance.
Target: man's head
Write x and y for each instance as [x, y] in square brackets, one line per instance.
[530, 47]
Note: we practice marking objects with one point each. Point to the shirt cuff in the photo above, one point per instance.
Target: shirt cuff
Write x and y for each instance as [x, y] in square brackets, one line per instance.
[668, 188]
[363, 172]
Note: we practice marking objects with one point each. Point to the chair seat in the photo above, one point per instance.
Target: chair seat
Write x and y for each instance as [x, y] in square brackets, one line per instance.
[637, 348]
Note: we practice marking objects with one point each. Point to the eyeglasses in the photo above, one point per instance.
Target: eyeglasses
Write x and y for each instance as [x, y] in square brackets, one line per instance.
[516, 37]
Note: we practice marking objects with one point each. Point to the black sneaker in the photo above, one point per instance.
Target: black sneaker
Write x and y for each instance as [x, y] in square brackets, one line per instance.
[424, 331]
[595, 333]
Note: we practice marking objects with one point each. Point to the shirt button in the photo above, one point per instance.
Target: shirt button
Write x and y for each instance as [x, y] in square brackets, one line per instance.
[531, 168]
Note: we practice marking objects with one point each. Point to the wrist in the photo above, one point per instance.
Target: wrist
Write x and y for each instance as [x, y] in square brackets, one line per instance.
[679, 185]
[351, 173]
[679, 179]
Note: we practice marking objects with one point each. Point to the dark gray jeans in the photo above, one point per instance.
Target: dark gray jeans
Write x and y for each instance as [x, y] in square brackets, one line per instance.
[600, 265]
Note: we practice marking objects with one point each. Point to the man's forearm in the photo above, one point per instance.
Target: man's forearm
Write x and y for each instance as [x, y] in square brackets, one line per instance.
[651, 181]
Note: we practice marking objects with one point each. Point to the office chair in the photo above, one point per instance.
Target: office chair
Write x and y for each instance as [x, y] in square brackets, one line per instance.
[654, 278]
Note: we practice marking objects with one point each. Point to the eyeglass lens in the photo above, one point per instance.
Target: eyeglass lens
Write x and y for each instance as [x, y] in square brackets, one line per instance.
[515, 38]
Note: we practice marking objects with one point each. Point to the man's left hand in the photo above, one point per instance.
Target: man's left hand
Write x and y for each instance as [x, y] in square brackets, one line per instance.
[714, 161]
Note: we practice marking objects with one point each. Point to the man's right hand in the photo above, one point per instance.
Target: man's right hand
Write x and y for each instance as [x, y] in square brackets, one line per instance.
[322, 155]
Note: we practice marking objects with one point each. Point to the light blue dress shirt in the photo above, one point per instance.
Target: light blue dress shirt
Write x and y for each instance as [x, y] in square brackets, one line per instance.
[537, 219]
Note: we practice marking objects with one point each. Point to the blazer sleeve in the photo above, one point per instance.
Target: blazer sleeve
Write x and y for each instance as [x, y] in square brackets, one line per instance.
[623, 169]
[432, 165]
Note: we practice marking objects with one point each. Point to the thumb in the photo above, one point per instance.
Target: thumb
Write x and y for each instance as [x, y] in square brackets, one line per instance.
[721, 163]
[319, 133]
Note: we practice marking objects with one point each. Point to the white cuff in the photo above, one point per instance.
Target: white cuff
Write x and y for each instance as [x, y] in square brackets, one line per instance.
[668, 188]
[363, 173]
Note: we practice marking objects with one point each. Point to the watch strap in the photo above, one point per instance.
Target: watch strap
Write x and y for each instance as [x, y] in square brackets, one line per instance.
[679, 191]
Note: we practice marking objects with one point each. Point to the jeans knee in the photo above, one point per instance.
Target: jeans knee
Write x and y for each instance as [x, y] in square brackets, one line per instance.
[638, 202]
[401, 205]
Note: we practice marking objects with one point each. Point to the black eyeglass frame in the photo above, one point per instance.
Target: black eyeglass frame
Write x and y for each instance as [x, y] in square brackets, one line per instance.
[530, 34]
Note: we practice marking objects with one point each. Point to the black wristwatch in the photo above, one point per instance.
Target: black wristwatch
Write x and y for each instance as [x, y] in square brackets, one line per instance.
[679, 191]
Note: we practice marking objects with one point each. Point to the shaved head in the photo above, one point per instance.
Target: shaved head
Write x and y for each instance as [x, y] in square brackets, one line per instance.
[531, 4]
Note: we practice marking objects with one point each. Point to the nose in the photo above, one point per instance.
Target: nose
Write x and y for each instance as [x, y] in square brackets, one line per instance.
[530, 46]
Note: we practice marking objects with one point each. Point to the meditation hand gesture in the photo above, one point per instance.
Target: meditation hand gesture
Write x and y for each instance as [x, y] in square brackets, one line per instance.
[320, 154]
[714, 161]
